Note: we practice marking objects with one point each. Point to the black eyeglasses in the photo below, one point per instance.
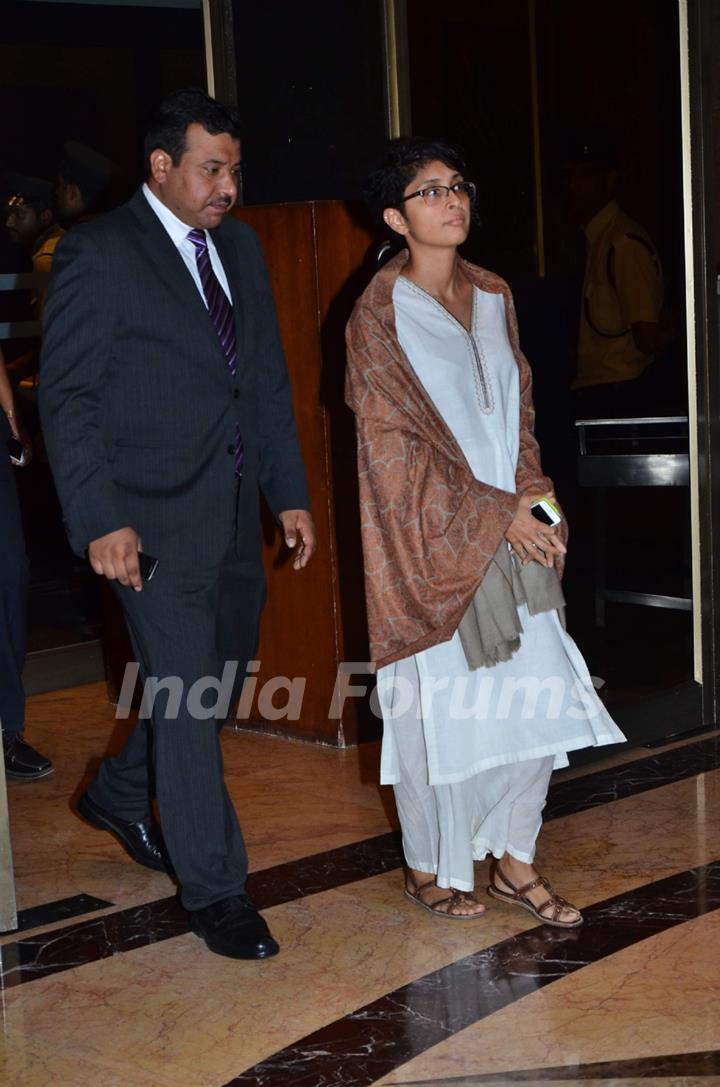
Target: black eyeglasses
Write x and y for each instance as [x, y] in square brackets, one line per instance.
[434, 194]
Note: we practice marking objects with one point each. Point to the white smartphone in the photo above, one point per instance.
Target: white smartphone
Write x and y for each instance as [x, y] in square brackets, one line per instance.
[546, 511]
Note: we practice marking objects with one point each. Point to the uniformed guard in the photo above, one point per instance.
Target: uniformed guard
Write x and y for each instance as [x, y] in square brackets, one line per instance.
[623, 324]
[30, 219]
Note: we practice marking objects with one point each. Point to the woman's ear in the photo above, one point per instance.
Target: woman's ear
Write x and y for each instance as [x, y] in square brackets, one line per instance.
[395, 220]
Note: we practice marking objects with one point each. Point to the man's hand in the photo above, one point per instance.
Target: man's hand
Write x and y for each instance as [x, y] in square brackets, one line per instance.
[299, 523]
[531, 539]
[115, 556]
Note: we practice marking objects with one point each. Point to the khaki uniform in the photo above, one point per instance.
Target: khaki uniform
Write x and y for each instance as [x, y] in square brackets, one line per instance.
[42, 263]
[623, 285]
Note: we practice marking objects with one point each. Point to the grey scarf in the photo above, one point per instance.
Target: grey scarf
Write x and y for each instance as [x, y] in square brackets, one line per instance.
[490, 629]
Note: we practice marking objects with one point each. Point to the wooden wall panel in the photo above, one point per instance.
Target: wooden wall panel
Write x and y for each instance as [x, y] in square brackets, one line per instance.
[297, 633]
[345, 266]
[315, 619]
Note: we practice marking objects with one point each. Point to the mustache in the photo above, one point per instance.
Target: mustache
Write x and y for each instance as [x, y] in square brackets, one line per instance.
[221, 201]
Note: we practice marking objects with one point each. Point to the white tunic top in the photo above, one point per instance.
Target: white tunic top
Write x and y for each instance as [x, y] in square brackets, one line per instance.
[541, 702]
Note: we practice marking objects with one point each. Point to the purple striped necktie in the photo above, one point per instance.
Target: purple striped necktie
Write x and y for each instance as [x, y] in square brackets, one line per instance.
[222, 317]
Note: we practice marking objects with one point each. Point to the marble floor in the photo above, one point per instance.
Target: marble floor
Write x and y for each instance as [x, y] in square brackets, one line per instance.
[104, 984]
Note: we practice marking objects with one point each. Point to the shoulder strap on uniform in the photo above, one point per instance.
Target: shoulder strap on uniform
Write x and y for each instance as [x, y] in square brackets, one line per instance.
[610, 263]
[643, 241]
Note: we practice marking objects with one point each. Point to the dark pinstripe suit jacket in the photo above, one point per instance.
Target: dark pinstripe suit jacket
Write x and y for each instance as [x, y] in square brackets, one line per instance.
[139, 408]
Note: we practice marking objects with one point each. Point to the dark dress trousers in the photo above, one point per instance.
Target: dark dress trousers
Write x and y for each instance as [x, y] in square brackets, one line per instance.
[140, 412]
[13, 593]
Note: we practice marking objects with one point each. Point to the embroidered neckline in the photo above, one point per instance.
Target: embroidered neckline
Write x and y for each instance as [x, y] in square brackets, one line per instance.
[480, 370]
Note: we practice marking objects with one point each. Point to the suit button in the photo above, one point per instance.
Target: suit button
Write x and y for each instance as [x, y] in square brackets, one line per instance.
[231, 449]
[236, 393]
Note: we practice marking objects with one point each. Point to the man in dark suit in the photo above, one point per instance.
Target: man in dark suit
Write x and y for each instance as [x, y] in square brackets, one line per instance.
[166, 408]
[22, 762]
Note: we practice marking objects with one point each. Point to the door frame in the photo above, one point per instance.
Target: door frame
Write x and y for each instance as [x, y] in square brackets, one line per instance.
[696, 26]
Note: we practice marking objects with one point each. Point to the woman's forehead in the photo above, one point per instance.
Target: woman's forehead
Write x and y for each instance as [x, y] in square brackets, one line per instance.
[435, 171]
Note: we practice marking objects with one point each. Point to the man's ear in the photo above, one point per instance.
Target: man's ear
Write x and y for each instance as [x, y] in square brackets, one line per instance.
[395, 220]
[160, 163]
[73, 194]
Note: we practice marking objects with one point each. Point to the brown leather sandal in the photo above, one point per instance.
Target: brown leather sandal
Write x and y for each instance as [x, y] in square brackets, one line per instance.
[519, 898]
[454, 898]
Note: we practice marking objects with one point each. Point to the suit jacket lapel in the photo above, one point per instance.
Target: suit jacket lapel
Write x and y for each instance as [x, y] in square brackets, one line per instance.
[171, 269]
[229, 258]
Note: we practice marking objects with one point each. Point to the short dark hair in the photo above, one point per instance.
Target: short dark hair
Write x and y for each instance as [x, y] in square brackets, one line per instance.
[403, 158]
[96, 176]
[177, 111]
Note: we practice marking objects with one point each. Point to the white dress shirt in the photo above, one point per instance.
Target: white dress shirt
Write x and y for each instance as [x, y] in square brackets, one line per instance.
[178, 232]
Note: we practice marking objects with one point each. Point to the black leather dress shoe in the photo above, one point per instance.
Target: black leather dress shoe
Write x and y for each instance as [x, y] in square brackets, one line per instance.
[233, 927]
[22, 762]
[141, 841]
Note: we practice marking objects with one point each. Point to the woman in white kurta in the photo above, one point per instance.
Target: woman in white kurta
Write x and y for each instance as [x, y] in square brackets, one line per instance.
[470, 751]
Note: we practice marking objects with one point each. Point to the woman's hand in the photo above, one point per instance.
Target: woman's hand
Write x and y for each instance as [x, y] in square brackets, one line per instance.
[19, 432]
[530, 539]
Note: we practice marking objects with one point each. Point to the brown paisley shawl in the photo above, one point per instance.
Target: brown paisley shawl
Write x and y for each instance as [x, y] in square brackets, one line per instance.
[429, 528]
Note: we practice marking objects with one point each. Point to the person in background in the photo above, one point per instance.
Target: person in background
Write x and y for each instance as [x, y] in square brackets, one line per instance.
[623, 324]
[462, 586]
[30, 219]
[22, 762]
[88, 184]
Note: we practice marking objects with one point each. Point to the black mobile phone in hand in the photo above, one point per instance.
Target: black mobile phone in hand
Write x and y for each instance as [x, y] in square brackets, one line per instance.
[148, 565]
[16, 451]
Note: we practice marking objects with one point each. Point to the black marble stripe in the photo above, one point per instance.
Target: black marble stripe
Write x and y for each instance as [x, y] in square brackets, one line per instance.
[77, 945]
[633, 778]
[138, 926]
[373, 1041]
[670, 1066]
[61, 910]
[326, 871]
[133, 927]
